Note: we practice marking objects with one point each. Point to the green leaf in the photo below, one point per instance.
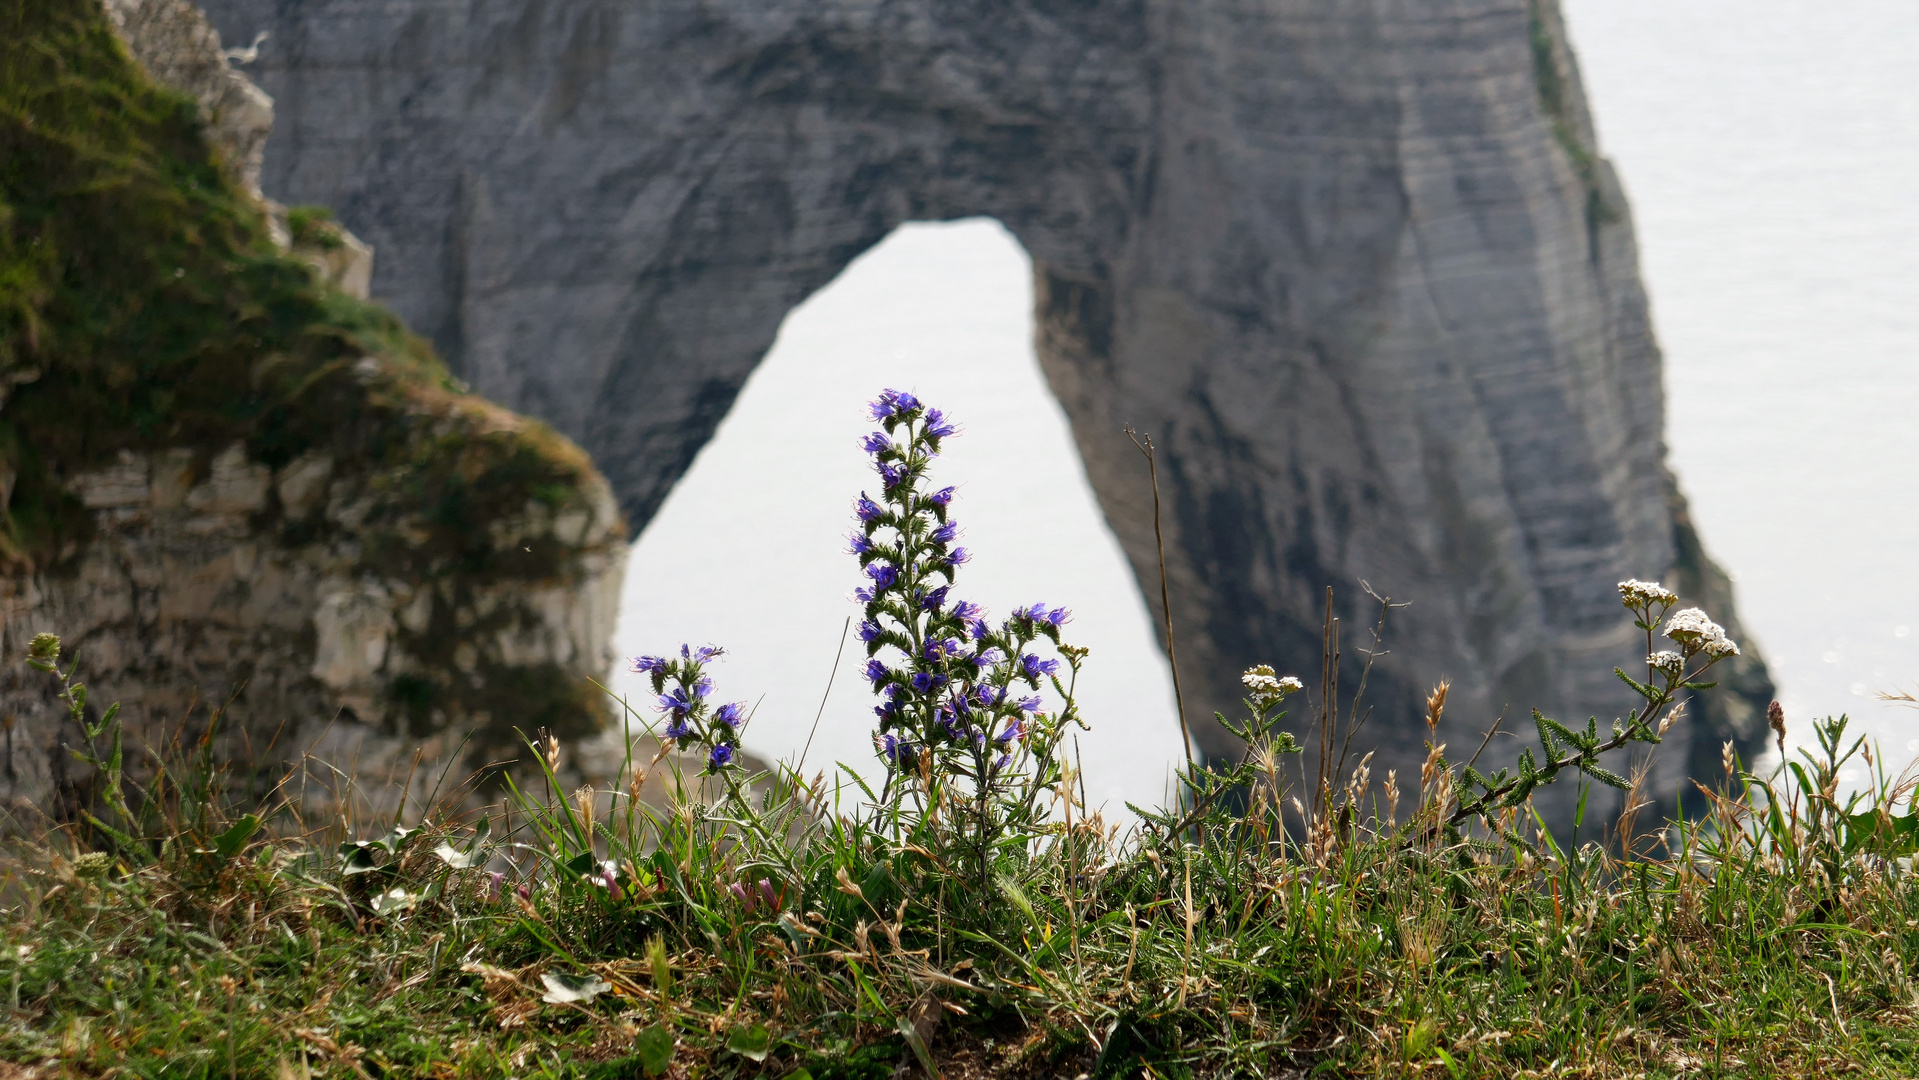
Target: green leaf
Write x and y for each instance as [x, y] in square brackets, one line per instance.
[358, 859]
[457, 859]
[566, 989]
[654, 1048]
[229, 843]
[393, 900]
[912, 1036]
[752, 1042]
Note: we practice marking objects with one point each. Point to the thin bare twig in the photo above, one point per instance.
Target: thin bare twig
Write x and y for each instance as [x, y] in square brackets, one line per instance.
[1145, 445]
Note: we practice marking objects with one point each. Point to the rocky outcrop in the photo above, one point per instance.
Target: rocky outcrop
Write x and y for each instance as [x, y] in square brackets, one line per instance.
[1359, 268]
[254, 508]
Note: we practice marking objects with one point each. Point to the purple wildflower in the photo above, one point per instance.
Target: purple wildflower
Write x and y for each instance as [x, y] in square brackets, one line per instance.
[866, 509]
[978, 629]
[730, 713]
[926, 681]
[1034, 667]
[937, 426]
[936, 599]
[702, 654]
[648, 665]
[859, 544]
[892, 403]
[990, 695]
[869, 630]
[891, 475]
[946, 533]
[876, 443]
[942, 648]
[883, 574]
[876, 671]
[677, 727]
[966, 610]
[988, 657]
[1014, 730]
[678, 703]
[722, 754]
[941, 498]
[1030, 704]
[864, 596]
[959, 555]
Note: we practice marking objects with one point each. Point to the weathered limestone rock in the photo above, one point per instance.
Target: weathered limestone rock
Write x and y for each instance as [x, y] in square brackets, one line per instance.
[1358, 267]
[378, 574]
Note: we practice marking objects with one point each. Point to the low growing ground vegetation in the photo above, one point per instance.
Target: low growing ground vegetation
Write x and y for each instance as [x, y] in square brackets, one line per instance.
[968, 915]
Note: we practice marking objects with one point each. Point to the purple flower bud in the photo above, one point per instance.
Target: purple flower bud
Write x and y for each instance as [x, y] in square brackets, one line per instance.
[525, 889]
[941, 498]
[490, 888]
[891, 475]
[730, 713]
[866, 509]
[766, 890]
[979, 630]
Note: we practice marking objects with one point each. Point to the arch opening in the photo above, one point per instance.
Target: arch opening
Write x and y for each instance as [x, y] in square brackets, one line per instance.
[748, 549]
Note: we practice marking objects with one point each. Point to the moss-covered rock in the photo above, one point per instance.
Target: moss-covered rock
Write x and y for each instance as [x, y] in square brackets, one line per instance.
[229, 482]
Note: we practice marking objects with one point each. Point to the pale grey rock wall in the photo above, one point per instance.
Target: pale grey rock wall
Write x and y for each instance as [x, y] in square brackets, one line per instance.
[1357, 266]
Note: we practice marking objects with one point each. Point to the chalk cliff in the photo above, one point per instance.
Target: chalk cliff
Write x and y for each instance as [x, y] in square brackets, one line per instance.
[1360, 268]
[231, 486]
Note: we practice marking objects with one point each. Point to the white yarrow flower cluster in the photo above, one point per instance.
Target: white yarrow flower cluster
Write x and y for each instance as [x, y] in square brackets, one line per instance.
[1696, 633]
[1637, 594]
[1265, 688]
[1667, 663]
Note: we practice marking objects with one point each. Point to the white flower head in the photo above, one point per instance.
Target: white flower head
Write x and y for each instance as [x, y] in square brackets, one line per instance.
[1265, 688]
[1667, 663]
[1637, 594]
[1696, 633]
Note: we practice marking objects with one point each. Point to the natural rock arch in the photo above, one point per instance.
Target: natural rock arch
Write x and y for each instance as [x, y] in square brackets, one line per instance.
[1359, 268]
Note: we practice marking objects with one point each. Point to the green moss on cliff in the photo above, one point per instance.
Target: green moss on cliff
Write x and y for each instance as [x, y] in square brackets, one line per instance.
[144, 305]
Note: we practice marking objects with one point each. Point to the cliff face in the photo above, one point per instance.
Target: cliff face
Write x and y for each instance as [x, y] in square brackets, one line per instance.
[231, 486]
[1358, 267]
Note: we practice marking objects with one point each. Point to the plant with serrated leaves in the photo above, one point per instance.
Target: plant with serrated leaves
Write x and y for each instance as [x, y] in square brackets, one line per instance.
[1699, 644]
